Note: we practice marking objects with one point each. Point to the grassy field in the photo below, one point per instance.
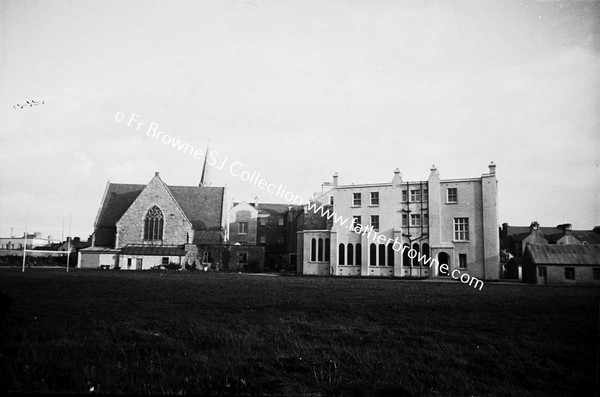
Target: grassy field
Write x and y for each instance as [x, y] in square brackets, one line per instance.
[208, 333]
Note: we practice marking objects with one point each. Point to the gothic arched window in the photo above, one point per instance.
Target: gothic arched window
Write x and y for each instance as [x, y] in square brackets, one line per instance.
[153, 225]
[320, 251]
[341, 259]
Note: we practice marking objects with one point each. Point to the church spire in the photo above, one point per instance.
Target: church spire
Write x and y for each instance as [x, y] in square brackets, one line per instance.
[204, 177]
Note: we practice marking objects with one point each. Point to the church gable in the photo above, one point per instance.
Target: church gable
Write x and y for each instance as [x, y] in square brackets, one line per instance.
[154, 217]
[117, 198]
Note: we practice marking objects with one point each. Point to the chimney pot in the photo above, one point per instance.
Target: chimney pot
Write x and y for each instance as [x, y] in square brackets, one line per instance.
[335, 179]
[492, 167]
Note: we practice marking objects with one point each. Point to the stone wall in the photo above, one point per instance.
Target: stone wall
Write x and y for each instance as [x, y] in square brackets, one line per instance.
[130, 228]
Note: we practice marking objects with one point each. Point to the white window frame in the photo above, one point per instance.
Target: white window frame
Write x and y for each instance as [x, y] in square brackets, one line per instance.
[374, 224]
[415, 195]
[374, 198]
[455, 195]
[356, 220]
[356, 197]
[415, 219]
[461, 229]
[240, 228]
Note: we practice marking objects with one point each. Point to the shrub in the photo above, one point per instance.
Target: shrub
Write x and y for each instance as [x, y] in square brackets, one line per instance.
[172, 266]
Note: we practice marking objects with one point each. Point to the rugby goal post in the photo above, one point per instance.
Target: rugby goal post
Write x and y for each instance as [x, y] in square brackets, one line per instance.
[49, 253]
[67, 252]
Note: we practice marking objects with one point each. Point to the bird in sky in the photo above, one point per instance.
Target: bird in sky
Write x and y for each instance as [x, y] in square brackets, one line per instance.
[32, 103]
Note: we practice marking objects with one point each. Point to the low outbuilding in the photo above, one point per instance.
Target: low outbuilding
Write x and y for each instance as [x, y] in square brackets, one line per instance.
[561, 264]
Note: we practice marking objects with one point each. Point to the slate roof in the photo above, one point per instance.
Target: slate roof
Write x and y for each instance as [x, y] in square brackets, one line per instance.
[201, 205]
[272, 208]
[48, 247]
[119, 197]
[553, 238]
[77, 245]
[521, 236]
[106, 250]
[153, 250]
[517, 232]
[588, 236]
[564, 254]
[552, 234]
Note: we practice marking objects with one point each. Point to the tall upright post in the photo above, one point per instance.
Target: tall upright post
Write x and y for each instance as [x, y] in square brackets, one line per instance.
[69, 244]
[24, 250]
[25, 242]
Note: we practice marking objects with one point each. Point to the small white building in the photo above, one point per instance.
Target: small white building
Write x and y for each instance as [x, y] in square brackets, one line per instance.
[16, 243]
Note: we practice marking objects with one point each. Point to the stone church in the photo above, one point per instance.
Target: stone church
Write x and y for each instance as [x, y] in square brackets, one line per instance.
[142, 227]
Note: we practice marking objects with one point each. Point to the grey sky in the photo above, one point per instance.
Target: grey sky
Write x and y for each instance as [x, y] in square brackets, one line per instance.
[298, 90]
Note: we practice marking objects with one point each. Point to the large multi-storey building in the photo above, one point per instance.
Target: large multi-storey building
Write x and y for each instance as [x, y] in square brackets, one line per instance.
[272, 226]
[454, 221]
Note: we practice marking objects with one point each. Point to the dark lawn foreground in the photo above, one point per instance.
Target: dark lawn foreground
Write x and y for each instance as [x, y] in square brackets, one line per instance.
[206, 333]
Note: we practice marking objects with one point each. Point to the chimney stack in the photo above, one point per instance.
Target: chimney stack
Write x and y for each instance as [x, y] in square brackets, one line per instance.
[565, 227]
[504, 230]
[397, 180]
[492, 167]
[335, 179]
[535, 225]
[434, 170]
